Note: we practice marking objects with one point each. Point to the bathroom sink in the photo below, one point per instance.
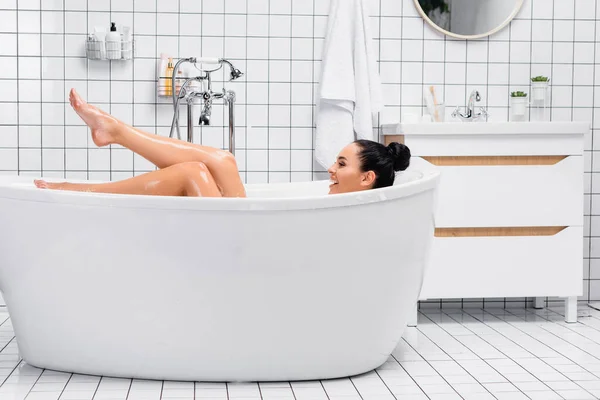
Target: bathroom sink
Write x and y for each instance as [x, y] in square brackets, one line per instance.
[504, 128]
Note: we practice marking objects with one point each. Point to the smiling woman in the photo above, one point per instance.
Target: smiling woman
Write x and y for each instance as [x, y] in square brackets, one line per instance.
[365, 164]
[191, 170]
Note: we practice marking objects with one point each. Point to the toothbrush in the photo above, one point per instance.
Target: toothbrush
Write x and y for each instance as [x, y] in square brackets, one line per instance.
[435, 116]
[428, 101]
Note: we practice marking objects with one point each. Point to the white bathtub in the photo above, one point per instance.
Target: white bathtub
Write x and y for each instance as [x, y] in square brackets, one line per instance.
[288, 284]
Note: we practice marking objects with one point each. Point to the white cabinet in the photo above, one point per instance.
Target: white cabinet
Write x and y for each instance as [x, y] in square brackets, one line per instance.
[509, 216]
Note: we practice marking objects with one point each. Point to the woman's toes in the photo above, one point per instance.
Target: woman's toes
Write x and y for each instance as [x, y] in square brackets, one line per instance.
[40, 183]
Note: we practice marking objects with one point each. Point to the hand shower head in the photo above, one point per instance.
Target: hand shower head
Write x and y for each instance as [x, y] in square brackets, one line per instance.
[235, 73]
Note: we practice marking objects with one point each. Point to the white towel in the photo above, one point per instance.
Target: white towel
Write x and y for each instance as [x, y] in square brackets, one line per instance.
[350, 87]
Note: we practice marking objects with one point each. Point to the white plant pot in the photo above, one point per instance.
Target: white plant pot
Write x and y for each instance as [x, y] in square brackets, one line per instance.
[539, 91]
[518, 108]
[518, 104]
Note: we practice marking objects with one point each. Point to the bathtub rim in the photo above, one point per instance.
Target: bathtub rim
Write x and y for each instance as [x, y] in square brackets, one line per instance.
[25, 190]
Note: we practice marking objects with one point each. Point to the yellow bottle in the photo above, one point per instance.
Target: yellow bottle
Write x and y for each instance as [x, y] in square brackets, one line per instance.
[168, 80]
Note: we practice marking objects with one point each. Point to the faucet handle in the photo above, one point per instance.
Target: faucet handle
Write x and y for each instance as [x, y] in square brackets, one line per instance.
[481, 114]
[455, 112]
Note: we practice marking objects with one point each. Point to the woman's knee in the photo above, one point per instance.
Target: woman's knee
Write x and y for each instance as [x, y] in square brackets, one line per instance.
[192, 167]
[226, 159]
[198, 179]
[196, 170]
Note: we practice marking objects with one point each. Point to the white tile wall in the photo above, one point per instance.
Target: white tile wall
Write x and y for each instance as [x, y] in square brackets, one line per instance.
[277, 43]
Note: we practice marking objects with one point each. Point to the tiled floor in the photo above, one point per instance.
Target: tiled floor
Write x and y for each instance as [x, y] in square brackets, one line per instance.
[452, 354]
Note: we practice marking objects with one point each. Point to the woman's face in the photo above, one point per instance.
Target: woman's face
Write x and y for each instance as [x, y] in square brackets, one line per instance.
[345, 173]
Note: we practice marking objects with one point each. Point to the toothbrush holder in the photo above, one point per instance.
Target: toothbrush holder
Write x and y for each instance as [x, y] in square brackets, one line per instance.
[439, 112]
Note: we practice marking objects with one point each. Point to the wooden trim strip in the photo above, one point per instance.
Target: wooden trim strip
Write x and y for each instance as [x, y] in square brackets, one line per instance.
[393, 138]
[493, 160]
[499, 231]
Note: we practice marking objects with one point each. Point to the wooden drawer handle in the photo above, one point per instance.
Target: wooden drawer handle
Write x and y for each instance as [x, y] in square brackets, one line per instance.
[482, 160]
[501, 231]
[387, 139]
[493, 160]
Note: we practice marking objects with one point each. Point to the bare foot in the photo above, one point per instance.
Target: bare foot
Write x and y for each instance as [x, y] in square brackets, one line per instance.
[99, 122]
[42, 184]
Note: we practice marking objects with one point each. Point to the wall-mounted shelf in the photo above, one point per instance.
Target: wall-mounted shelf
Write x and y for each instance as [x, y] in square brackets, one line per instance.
[98, 50]
[163, 86]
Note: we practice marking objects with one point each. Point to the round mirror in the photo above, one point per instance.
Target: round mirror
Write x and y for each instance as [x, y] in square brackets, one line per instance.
[468, 19]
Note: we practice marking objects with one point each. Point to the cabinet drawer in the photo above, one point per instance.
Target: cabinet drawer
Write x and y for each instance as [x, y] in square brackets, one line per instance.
[505, 266]
[480, 195]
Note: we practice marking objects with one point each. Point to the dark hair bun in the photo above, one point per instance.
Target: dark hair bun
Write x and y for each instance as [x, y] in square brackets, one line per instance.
[400, 154]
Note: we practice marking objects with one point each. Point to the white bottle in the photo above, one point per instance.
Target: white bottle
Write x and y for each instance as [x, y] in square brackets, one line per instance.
[126, 44]
[113, 43]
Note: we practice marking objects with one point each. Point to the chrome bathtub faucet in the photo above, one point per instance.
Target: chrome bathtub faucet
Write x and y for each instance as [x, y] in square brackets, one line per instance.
[190, 95]
[470, 114]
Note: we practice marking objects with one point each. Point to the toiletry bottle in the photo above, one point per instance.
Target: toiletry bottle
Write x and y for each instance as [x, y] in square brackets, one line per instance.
[113, 43]
[169, 75]
[126, 44]
[161, 73]
[100, 35]
[178, 81]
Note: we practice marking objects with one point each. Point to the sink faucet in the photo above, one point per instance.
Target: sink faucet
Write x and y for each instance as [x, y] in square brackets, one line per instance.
[470, 115]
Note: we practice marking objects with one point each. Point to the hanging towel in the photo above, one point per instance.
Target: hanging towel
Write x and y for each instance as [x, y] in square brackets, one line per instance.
[350, 88]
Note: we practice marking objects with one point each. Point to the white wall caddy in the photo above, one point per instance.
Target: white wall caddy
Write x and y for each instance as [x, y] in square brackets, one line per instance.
[97, 50]
[509, 218]
[116, 44]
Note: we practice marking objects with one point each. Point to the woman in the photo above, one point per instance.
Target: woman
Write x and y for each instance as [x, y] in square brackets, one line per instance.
[187, 169]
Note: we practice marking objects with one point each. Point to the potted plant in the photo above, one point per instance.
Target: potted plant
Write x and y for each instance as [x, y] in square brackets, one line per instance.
[518, 103]
[539, 87]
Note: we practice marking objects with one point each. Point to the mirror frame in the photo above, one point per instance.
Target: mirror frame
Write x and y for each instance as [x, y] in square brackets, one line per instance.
[459, 36]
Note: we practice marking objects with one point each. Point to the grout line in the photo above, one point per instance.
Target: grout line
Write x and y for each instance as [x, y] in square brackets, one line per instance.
[246, 129]
[16, 366]
[385, 384]
[131, 384]
[41, 98]
[323, 386]
[87, 87]
[259, 391]
[355, 388]
[408, 374]
[269, 38]
[573, 60]
[292, 389]
[18, 102]
[589, 239]
[290, 132]
[552, 58]
[65, 387]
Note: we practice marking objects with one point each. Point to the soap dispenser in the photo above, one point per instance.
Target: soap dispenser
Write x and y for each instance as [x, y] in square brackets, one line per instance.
[113, 43]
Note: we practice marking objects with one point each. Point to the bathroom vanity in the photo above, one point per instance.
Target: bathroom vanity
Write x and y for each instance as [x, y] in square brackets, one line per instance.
[509, 213]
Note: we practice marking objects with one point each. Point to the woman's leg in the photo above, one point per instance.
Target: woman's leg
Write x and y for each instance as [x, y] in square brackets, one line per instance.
[162, 152]
[184, 179]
